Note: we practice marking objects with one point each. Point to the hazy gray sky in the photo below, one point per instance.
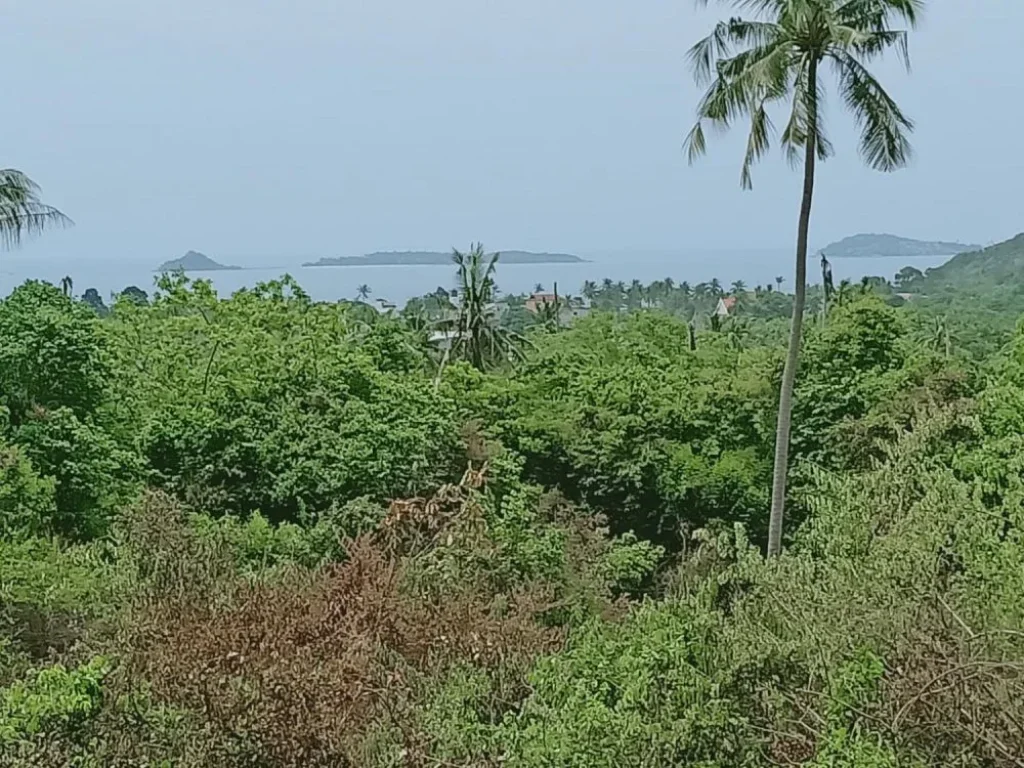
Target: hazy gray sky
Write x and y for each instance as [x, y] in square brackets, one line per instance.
[279, 128]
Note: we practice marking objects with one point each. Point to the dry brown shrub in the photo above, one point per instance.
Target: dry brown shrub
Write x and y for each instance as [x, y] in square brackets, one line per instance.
[955, 693]
[299, 670]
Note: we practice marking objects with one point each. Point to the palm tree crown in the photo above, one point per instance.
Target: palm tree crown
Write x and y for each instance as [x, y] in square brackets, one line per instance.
[21, 213]
[479, 336]
[751, 65]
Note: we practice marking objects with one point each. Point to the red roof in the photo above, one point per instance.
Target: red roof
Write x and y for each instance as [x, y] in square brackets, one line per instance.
[729, 302]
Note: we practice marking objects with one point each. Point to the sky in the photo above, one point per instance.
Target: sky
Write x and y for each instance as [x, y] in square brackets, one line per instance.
[262, 131]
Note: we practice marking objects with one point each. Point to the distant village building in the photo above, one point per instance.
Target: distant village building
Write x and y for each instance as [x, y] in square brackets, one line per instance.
[444, 339]
[576, 309]
[569, 309]
[726, 305]
[533, 304]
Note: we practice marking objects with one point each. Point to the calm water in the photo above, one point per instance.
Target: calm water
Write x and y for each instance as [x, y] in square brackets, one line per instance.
[400, 283]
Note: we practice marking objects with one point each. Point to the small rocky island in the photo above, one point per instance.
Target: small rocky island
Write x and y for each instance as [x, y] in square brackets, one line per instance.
[193, 261]
[383, 258]
[868, 246]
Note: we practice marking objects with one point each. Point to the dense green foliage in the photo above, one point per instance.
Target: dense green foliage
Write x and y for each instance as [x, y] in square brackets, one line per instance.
[974, 299]
[261, 530]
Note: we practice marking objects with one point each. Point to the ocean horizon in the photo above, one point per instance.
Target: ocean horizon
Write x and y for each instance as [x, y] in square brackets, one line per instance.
[399, 283]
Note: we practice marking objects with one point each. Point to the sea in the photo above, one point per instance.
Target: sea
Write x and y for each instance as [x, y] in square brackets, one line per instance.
[397, 284]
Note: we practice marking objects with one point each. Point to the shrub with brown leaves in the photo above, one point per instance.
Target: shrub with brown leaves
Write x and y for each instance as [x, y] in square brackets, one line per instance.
[301, 669]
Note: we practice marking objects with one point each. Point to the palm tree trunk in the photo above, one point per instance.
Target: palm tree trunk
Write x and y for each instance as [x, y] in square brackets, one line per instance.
[793, 354]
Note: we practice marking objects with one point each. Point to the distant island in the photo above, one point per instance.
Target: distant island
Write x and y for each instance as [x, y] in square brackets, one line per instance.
[193, 261]
[866, 246]
[382, 258]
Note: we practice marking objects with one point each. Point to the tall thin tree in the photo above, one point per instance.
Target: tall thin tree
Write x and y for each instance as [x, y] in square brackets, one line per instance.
[777, 56]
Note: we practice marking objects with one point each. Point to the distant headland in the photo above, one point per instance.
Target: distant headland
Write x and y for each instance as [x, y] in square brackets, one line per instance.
[867, 246]
[382, 258]
[193, 261]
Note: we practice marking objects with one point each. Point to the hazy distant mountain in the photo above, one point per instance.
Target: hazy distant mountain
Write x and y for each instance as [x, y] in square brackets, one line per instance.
[436, 257]
[193, 261]
[864, 246]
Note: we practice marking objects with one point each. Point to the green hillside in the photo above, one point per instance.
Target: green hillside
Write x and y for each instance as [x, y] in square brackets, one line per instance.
[998, 268]
[978, 295]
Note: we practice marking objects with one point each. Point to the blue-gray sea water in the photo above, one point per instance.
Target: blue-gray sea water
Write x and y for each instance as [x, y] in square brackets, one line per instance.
[399, 283]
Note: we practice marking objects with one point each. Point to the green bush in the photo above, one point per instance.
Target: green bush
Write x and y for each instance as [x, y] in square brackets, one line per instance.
[93, 477]
[53, 353]
[51, 701]
[27, 501]
[620, 414]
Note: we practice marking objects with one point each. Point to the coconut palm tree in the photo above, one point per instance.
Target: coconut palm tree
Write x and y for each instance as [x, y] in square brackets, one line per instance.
[21, 213]
[938, 337]
[777, 56]
[826, 278]
[655, 291]
[479, 336]
[589, 289]
[738, 287]
[363, 292]
[636, 293]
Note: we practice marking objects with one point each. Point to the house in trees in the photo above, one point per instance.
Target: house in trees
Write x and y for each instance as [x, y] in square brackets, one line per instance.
[726, 306]
[536, 300]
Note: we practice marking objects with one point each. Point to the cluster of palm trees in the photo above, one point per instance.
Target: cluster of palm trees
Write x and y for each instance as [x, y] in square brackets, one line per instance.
[666, 293]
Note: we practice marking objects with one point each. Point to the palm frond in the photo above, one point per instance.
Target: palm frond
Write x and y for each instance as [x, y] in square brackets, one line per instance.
[884, 143]
[876, 14]
[794, 135]
[758, 142]
[695, 143]
[21, 212]
[757, 6]
[705, 52]
[29, 219]
[823, 146]
[16, 187]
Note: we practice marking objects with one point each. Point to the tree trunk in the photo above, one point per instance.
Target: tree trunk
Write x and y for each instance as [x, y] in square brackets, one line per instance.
[793, 354]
